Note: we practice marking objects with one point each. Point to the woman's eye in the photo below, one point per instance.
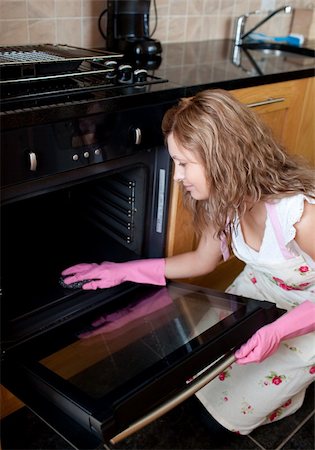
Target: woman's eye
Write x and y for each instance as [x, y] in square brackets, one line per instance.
[181, 164]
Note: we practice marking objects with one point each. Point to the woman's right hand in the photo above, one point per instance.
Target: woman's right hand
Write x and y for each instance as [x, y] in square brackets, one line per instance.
[109, 274]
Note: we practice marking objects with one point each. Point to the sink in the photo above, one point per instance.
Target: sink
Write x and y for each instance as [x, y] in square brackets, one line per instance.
[276, 49]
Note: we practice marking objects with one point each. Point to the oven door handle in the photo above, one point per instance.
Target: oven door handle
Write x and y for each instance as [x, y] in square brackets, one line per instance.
[213, 371]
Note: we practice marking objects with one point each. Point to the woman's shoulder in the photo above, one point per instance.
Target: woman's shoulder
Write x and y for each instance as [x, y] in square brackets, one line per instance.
[296, 214]
[293, 206]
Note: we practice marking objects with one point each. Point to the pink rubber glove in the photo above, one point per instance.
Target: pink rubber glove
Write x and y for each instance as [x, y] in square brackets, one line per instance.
[298, 321]
[108, 274]
[118, 320]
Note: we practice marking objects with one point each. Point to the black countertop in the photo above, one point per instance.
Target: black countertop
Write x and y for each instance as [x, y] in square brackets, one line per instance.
[217, 63]
[188, 68]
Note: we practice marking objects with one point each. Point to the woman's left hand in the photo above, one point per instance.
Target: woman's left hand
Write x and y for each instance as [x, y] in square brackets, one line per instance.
[261, 345]
[298, 321]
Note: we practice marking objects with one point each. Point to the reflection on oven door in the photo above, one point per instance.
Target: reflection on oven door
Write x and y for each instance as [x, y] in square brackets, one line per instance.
[110, 371]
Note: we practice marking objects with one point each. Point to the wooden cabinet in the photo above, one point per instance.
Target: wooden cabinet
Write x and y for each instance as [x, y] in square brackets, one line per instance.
[288, 108]
[9, 403]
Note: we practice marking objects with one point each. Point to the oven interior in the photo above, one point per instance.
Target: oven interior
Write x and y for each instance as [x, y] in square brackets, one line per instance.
[106, 218]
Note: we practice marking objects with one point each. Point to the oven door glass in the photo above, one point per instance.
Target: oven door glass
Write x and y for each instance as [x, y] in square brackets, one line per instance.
[116, 365]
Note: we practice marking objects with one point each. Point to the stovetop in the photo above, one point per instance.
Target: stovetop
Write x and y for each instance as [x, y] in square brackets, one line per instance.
[52, 74]
[181, 70]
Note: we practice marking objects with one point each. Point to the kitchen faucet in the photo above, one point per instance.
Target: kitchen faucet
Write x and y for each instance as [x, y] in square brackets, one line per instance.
[240, 34]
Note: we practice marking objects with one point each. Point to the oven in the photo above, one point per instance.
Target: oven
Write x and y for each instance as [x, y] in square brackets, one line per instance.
[86, 178]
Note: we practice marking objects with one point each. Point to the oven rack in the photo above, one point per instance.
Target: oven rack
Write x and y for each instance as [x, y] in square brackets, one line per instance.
[50, 53]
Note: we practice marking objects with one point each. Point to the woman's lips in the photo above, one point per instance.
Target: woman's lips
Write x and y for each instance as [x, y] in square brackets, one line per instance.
[188, 187]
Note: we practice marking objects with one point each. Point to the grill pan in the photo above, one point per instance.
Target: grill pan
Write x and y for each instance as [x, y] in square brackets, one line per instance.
[45, 59]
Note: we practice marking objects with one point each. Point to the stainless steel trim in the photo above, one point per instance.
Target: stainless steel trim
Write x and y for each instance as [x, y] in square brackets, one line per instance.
[213, 371]
[268, 101]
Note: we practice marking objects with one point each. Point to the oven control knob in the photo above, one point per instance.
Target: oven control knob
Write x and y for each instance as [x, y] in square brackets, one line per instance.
[125, 73]
[140, 75]
[97, 152]
[111, 64]
[75, 157]
[86, 154]
[33, 161]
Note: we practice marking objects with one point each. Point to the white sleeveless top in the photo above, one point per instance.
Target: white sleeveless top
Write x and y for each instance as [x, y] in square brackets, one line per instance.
[289, 211]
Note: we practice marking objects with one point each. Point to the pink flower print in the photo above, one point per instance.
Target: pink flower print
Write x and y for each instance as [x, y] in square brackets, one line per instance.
[304, 269]
[303, 285]
[223, 375]
[276, 380]
[312, 370]
[225, 399]
[278, 412]
[246, 408]
[286, 287]
[273, 416]
[287, 403]
[253, 280]
[282, 284]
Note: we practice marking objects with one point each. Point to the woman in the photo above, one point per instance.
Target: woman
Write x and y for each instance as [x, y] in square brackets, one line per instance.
[243, 189]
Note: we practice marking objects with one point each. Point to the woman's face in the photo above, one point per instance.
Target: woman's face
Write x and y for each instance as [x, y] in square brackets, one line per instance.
[188, 170]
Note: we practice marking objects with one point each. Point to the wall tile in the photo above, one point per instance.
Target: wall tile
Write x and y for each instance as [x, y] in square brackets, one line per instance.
[213, 7]
[14, 32]
[212, 26]
[40, 8]
[241, 7]
[76, 21]
[93, 8]
[69, 31]
[225, 27]
[91, 36]
[11, 9]
[177, 29]
[161, 32]
[68, 8]
[41, 31]
[193, 30]
[227, 7]
[195, 7]
[178, 7]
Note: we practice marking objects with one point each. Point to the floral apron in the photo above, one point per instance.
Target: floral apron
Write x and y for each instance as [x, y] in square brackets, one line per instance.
[244, 397]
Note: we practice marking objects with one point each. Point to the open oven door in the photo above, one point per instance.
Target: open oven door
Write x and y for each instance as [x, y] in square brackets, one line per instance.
[104, 376]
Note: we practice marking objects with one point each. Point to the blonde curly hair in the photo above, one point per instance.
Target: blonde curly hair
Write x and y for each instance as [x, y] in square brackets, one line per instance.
[243, 160]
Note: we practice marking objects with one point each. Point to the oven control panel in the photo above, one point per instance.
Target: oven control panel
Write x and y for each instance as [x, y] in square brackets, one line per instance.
[46, 150]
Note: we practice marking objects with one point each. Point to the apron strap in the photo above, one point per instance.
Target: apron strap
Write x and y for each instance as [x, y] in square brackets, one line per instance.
[273, 214]
[224, 248]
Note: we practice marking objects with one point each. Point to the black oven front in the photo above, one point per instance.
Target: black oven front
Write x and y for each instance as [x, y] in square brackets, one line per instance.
[89, 189]
[98, 365]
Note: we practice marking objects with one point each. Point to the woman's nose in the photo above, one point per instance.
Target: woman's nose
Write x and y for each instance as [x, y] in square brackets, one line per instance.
[178, 173]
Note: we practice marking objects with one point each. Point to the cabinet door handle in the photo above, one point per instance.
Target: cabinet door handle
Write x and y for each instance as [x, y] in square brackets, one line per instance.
[268, 101]
[213, 371]
[138, 136]
[33, 161]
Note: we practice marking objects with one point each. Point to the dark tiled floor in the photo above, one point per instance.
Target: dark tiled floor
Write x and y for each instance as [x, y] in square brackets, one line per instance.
[178, 430]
